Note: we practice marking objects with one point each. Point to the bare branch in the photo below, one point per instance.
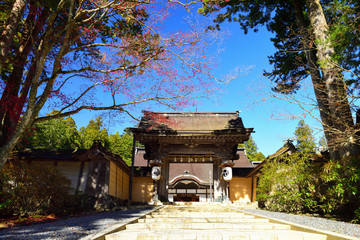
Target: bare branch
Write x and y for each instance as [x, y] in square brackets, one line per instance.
[185, 5]
[117, 107]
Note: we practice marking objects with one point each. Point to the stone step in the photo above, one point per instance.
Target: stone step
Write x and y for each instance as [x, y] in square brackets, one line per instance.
[199, 214]
[213, 235]
[207, 223]
[193, 209]
[208, 226]
[149, 219]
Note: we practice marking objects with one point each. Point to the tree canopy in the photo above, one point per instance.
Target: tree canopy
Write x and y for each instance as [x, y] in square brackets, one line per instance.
[305, 141]
[94, 131]
[252, 151]
[306, 182]
[122, 145]
[317, 39]
[61, 53]
[62, 134]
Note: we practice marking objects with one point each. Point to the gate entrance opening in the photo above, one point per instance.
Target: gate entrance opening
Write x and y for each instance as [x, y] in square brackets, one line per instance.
[190, 182]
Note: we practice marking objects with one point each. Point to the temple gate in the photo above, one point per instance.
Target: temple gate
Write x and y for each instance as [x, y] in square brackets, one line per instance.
[191, 152]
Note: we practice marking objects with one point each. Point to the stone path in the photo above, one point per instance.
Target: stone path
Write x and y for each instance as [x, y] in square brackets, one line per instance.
[201, 222]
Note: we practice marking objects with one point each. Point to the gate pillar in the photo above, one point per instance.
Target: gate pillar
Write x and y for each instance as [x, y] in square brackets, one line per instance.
[164, 182]
[219, 183]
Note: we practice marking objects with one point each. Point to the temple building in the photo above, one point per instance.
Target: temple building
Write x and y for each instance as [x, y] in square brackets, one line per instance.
[193, 157]
[183, 157]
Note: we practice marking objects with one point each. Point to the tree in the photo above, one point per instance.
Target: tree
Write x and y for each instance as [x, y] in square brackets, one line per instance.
[60, 134]
[304, 138]
[287, 184]
[311, 41]
[300, 183]
[60, 53]
[122, 145]
[9, 31]
[26, 191]
[252, 151]
[93, 132]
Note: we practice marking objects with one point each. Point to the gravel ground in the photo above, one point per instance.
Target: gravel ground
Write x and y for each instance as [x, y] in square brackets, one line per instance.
[315, 222]
[71, 228]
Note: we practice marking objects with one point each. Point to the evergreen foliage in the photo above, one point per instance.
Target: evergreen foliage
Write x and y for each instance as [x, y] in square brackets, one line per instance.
[62, 134]
[297, 183]
[316, 39]
[304, 138]
[341, 190]
[294, 184]
[287, 184]
[94, 131]
[122, 145]
[252, 151]
[322, 143]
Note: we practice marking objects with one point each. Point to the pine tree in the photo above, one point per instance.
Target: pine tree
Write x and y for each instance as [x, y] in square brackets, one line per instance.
[316, 39]
[94, 131]
[304, 138]
[252, 151]
[122, 145]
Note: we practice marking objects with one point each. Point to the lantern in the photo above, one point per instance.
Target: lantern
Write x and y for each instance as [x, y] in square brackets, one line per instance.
[155, 172]
[227, 173]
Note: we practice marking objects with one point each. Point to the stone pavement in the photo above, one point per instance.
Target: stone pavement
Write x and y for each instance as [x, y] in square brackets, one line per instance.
[202, 222]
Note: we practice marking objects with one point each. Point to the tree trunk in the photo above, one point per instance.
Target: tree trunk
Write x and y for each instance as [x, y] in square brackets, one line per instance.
[314, 69]
[10, 137]
[5, 149]
[330, 91]
[10, 30]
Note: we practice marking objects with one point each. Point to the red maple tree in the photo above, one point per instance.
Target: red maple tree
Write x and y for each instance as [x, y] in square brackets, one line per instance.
[62, 53]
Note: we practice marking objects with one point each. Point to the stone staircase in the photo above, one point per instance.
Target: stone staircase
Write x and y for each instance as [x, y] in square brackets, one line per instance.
[202, 222]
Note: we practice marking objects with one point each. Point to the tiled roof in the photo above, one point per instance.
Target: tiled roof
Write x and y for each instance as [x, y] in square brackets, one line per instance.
[139, 158]
[243, 161]
[95, 152]
[287, 148]
[44, 154]
[191, 121]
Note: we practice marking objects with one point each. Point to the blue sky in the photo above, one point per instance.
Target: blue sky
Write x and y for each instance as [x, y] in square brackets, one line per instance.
[244, 94]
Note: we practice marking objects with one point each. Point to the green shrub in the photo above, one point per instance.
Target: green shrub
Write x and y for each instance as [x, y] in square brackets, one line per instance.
[357, 216]
[28, 190]
[293, 184]
[288, 184]
[341, 188]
